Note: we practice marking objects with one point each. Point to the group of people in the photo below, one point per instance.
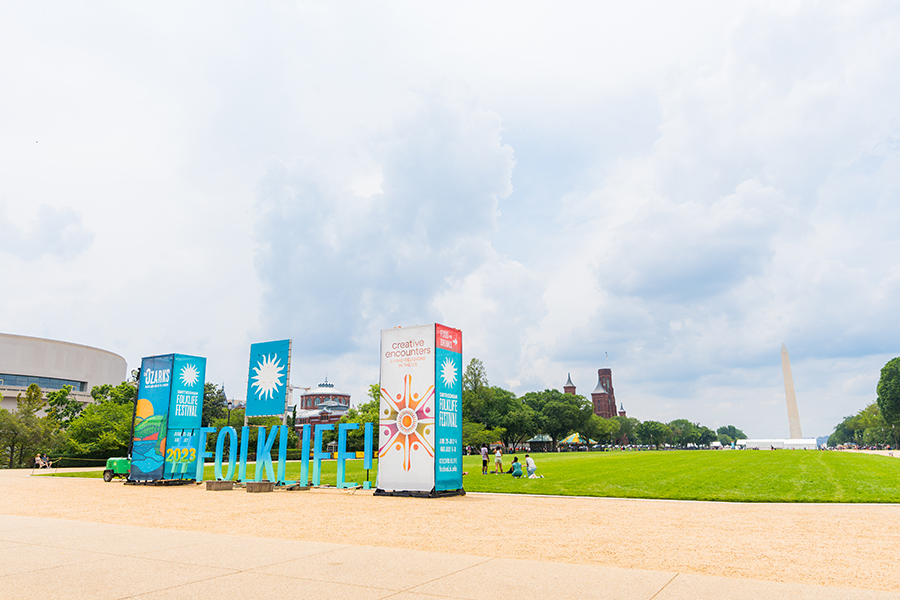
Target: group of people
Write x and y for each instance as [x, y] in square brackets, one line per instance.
[42, 462]
[515, 469]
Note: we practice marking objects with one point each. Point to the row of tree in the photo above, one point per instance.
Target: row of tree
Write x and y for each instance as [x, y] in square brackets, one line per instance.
[493, 414]
[878, 424]
[490, 414]
[68, 427]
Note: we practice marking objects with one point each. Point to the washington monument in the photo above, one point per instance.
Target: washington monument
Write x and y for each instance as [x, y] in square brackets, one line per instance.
[793, 413]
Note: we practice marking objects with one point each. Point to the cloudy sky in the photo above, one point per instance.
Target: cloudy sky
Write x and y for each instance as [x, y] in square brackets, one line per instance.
[680, 186]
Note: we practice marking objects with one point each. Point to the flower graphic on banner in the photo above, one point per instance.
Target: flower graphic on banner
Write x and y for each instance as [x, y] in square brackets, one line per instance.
[189, 375]
[268, 376]
[448, 372]
[407, 421]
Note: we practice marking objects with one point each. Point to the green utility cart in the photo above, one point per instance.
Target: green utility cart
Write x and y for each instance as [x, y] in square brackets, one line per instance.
[116, 467]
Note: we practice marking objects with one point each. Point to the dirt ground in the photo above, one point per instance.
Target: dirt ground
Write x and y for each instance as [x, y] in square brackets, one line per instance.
[837, 545]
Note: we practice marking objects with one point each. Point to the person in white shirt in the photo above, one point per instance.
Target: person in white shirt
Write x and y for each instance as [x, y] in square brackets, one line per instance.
[530, 466]
[498, 461]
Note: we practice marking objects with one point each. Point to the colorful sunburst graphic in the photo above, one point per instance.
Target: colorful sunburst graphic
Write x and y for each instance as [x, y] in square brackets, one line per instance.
[268, 376]
[407, 422]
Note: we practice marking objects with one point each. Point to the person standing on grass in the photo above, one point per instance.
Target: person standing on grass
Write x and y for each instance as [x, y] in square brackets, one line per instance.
[498, 460]
[484, 459]
[529, 465]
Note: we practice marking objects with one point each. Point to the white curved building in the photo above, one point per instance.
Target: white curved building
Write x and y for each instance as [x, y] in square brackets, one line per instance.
[52, 364]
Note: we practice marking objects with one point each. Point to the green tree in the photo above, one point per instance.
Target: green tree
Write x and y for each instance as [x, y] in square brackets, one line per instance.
[215, 403]
[597, 428]
[684, 432]
[124, 393]
[561, 413]
[519, 424]
[476, 434]
[627, 426]
[497, 404]
[474, 376]
[889, 392]
[375, 392]
[23, 433]
[32, 401]
[476, 392]
[104, 427]
[653, 433]
[62, 408]
[34, 432]
[11, 432]
[730, 433]
[705, 436]
[868, 427]
[356, 438]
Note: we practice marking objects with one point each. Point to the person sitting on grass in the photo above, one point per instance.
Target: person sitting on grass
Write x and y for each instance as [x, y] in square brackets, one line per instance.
[516, 468]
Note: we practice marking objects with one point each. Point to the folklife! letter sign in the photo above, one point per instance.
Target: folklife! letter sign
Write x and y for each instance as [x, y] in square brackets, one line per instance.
[420, 414]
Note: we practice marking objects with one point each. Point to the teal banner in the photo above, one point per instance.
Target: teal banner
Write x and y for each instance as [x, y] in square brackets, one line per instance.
[189, 377]
[151, 410]
[181, 454]
[448, 396]
[267, 383]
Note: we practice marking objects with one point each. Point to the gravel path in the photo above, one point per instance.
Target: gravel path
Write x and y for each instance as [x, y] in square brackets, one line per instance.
[820, 544]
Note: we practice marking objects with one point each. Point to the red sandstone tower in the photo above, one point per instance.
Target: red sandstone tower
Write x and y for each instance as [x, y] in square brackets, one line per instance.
[604, 396]
[569, 388]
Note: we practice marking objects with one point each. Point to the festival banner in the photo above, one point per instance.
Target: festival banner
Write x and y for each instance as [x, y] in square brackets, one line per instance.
[148, 445]
[269, 377]
[181, 454]
[448, 391]
[406, 452]
[185, 416]
[186, 407]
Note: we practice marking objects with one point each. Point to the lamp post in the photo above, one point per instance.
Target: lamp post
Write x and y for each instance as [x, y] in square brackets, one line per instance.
[230, 407]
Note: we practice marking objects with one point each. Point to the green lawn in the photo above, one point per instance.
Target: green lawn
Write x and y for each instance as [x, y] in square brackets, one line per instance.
[741, 476]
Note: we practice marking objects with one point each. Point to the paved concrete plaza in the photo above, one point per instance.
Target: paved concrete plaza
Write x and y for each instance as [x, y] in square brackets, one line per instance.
[196, 544]
[54, 558]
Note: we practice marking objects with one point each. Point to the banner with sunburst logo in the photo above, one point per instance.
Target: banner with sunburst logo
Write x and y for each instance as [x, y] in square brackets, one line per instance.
[448, 393]
[167, 415]
[185, 416]
[268, 380]
[420, 423]
[186, 409]
[406, 452]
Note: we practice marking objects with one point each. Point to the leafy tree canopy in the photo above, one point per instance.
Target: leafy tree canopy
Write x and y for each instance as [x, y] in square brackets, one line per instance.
[732, 432]
[215, 403]
[889, 392]
[562, 413]
[62, 408]
[653, 433]
[124, 393]
[102, 427]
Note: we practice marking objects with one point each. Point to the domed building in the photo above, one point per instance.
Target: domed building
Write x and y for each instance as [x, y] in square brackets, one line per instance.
[322, 405]
[53, 364]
